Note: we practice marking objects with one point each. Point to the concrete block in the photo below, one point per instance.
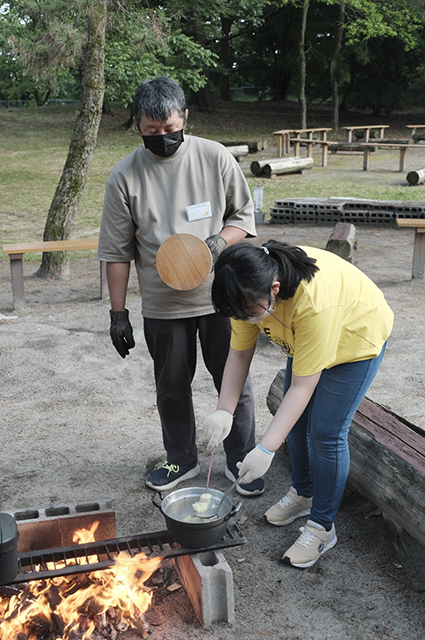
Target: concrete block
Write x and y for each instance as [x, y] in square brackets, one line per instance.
[259, 218]
[208, 581]
[53, 527]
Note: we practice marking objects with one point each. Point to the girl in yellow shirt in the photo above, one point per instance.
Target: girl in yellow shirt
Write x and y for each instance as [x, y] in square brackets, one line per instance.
[333, 322]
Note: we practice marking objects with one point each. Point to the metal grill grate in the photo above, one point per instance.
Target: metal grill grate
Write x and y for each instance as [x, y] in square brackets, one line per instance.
[94, 556]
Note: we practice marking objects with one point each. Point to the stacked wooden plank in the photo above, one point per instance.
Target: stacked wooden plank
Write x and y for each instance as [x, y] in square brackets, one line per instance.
[354, 210]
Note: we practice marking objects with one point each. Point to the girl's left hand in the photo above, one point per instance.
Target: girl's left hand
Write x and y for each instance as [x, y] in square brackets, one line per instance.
[255, 464]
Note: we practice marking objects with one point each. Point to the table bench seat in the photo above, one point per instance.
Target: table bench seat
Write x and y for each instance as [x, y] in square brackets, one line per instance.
[16, 253]
[325, 144]
[367, 129]
[419, 243]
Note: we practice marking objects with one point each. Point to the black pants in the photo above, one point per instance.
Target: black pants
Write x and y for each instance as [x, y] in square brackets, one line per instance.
[173, 347]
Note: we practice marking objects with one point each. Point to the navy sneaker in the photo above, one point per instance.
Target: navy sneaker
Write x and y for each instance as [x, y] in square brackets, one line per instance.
[254, 488]
[169, 475]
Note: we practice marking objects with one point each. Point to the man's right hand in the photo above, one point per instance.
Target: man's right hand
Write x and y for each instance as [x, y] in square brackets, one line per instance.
[121, 332]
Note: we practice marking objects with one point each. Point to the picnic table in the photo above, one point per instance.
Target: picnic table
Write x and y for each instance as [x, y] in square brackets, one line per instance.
[284, 137]
[367, 129]
[413, 127]
[368, 146]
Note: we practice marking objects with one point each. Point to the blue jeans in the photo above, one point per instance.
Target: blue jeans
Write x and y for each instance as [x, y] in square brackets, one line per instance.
[318, 442]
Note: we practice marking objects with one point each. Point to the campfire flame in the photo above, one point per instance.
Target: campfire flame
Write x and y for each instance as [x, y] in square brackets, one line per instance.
[107, 601]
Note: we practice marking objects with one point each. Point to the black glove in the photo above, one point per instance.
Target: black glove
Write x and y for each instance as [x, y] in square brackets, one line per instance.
[121, 332]
[216, 244]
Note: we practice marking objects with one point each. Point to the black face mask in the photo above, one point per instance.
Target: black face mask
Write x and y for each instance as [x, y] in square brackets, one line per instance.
[164, 145]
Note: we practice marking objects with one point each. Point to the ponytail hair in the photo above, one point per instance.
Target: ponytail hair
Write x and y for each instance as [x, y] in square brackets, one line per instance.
[244, 275]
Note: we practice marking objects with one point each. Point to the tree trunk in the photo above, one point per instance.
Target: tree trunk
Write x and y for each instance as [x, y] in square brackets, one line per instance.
[226, 25]
[301, 95]
[129, 123]
[74, 176]
[203, 97]
[334, 67]
[106, 107]
[40, 99]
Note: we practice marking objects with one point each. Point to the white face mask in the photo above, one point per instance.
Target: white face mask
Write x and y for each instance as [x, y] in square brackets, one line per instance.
[262, 316]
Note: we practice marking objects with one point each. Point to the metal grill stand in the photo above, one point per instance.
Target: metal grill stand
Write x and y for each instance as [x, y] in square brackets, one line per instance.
[92, 556]
[204, 573]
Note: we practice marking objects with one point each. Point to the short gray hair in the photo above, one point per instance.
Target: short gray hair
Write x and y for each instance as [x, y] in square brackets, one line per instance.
[157, 99]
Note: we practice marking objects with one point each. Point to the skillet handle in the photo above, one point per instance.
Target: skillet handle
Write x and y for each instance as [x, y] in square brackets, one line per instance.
[234, 510]
[155, 504]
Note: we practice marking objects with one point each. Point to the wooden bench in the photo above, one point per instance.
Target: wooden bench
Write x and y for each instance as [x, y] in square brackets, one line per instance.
[368, 146]
[325, 144]
[419, 243]
[414, 127]
[284, 137]
[282, 141]
[16, 253]
[367, 129]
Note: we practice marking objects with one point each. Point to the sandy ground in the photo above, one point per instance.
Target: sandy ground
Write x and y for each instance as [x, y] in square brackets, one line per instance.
[80, 424]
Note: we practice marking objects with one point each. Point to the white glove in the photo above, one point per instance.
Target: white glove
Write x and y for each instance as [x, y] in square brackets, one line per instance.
[255, 464]
[217, 427]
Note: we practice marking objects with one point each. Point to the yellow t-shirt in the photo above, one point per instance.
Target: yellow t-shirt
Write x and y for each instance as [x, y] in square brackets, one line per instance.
[339, 316]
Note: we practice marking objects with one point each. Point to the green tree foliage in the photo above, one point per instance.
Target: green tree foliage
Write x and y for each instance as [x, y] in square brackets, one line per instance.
[144, 45]
[47, 36]
[219, 27]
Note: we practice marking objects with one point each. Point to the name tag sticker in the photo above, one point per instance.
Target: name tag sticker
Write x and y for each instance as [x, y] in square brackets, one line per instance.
[198, 211]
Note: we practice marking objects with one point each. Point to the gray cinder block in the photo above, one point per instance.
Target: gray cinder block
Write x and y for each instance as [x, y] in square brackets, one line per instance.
[55, 526]
[208, 581]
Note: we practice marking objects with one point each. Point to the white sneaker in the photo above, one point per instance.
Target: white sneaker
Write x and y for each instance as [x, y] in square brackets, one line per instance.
[289, 508]
[312, 543]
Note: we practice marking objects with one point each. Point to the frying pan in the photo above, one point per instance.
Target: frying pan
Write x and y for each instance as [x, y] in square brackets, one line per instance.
[183, 261]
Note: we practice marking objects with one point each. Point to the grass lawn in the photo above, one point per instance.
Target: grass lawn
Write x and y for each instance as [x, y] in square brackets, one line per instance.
[34, 144]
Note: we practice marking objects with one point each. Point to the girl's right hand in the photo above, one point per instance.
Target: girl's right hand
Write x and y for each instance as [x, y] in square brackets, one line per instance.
[217, 427]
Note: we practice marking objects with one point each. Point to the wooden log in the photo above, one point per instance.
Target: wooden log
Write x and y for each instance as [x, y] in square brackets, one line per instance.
[388, 470]
[239, 150]
[253, 145]
[343, 240]
[391, 141]
[275, 394]
[387, 462]
[416, 177]
[417, 137]
[346, 146]
[277, 166]
[411, 555]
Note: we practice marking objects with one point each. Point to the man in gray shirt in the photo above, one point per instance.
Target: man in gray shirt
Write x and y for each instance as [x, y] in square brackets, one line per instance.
[176, 183]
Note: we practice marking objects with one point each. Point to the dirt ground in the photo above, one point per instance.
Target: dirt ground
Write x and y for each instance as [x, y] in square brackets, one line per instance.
[80, 424]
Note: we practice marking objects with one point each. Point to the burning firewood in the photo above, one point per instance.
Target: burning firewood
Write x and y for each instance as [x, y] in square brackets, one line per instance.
[99, 605]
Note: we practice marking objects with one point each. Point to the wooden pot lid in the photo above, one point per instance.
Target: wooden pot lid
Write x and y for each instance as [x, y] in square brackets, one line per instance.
[183, 261]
